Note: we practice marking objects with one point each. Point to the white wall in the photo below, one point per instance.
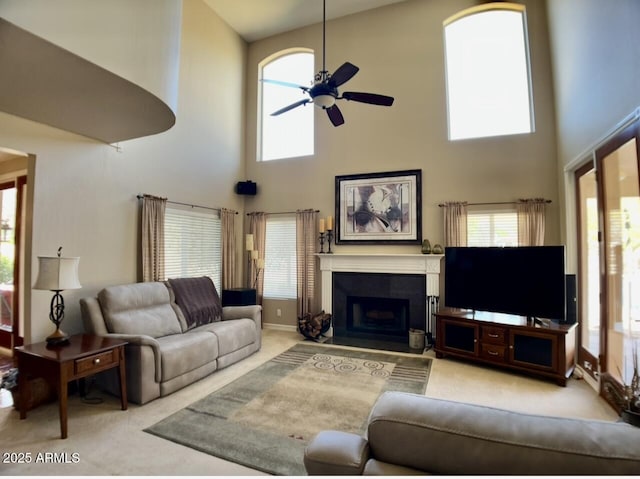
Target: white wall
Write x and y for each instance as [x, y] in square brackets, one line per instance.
[596, 65]
[85, 191]
[399, 49]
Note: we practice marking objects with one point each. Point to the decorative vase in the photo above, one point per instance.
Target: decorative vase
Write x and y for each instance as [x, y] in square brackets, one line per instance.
[426, 247]
[437, 249]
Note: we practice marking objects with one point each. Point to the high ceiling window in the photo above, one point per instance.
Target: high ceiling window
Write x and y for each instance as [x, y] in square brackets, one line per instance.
[488, 72]
[291, 134]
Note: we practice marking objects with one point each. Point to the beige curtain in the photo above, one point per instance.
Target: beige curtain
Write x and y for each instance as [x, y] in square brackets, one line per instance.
[455, 223]
[258, 228]
[531, 221]
[306, 235]
[152, 238]
[228, 226]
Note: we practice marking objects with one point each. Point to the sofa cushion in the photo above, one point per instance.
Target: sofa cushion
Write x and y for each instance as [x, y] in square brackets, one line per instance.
[139, 308]
[232, 334]
[182, 353]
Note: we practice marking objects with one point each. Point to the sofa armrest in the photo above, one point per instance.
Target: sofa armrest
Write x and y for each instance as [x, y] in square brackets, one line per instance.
[332, 453]
[143, 340]
[253, 312]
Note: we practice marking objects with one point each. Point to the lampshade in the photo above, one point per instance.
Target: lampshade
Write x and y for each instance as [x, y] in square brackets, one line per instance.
[57, 274]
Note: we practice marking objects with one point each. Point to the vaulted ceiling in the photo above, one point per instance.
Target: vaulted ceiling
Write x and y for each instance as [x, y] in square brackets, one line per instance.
[257, 19]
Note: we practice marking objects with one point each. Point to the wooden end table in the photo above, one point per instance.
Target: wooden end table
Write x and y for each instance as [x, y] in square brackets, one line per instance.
[84, 355]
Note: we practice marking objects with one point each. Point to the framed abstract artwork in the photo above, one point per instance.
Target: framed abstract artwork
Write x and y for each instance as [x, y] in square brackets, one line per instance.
[379, 208]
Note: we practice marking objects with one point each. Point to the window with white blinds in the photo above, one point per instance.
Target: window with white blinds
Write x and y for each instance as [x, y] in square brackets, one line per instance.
[193, 245]
[492, 228]
[280, 258]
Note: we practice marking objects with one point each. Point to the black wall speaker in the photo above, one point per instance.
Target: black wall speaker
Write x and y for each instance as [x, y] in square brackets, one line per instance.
[246, 188]
[571, 315]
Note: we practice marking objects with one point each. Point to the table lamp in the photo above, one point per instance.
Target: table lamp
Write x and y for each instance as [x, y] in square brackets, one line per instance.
[57, 274]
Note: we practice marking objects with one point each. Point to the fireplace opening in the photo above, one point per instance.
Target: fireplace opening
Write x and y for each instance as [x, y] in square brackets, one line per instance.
[379, 308]
[380, 316]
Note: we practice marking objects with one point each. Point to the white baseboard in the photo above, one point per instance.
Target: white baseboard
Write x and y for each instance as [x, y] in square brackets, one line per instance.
[280, 327]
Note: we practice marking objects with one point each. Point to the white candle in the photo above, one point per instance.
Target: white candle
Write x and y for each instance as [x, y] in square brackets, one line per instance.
[261, 263]
[249, 242]
[321, 225]
[254, 254]
[330, 223]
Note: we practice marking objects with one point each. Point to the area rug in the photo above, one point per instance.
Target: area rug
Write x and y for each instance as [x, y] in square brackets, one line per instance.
[264, 419]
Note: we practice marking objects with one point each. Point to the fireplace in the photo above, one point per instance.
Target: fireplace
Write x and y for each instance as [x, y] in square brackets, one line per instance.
[375, 316]
[378, 306]
[391, 292]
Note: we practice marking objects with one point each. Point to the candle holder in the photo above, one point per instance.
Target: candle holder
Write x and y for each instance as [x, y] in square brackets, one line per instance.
[329, 238]
[322, 243]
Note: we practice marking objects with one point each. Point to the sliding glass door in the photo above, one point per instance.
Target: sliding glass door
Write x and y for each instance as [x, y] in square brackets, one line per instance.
[619, 190]
[608, 226]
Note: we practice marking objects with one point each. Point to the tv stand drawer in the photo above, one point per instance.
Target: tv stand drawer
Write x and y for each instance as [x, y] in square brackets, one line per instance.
[494, 352]
[494, 335]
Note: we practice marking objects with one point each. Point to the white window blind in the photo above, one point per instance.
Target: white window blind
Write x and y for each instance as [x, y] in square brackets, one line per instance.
[280, 258]
[492, 228]
[193, 245]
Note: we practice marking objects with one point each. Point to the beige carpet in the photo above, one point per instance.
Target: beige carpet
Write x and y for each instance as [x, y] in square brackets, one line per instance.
[112, 442]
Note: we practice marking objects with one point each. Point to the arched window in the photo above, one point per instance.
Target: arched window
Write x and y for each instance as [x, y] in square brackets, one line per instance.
[488, 72]
[290, 134]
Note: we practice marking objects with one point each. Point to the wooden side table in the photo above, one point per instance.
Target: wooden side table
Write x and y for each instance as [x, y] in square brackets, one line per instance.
[84, 355]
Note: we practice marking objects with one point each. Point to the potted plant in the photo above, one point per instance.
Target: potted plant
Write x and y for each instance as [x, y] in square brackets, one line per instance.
[631, 392]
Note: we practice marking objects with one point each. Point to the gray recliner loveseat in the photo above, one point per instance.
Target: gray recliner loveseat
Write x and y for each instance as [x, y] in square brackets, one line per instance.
[408, 434]
[166, 352]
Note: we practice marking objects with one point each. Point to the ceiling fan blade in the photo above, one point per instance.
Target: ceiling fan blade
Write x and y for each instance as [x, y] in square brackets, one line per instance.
[343, 74]
[371, 98]
[285, 83]
[335, 115]
[291, 107]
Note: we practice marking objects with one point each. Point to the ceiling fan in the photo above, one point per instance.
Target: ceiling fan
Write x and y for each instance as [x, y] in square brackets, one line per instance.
[324, 91]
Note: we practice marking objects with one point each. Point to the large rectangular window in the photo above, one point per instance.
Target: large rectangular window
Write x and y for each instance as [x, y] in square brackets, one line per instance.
[280, 258]
[193, 245]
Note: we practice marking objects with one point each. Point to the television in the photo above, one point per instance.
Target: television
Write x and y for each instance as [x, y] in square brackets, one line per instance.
[524, 280]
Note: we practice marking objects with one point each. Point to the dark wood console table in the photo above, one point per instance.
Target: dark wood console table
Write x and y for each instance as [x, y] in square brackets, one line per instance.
[83, 356]
[508, 341]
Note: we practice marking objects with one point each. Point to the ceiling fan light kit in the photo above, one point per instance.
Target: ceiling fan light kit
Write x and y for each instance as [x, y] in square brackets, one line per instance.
[324, 92]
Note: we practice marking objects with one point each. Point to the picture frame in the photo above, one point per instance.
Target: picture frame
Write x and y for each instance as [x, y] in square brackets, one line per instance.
[379, 208]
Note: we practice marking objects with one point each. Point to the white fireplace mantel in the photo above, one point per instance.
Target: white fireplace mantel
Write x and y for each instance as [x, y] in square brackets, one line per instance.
[427, 264]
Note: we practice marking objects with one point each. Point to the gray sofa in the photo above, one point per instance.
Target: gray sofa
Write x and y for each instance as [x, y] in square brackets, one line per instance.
[408, 434]
[164, 353]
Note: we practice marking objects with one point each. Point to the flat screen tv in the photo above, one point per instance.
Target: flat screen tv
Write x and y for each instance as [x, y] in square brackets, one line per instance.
[525, 281]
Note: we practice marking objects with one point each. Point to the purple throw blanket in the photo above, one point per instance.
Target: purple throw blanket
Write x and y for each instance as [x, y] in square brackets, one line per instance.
[198, 300]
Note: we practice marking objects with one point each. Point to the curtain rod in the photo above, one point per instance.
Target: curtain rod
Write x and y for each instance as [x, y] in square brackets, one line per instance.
[494, 203]
[187, 204]
[281, 212]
